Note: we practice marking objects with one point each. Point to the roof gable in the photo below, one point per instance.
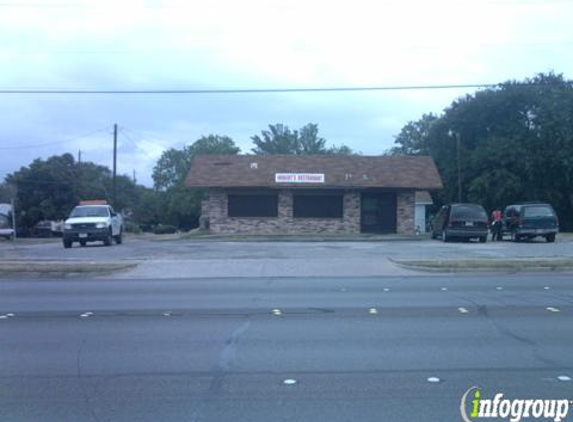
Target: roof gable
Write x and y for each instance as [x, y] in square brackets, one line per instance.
[340, 171]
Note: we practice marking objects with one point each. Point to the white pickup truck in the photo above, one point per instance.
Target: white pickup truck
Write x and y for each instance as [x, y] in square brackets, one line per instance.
[93, 221]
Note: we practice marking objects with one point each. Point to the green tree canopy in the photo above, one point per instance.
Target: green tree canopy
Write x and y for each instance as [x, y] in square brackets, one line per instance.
[49, 189]
[516, 144]
[279, 139]
[174, 164]
[179, 205]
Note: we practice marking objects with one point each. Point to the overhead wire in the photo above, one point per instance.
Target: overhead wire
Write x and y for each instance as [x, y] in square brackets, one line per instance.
[239, 90]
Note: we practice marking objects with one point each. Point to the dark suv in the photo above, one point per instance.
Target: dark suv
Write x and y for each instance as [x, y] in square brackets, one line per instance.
[462, 221]
[526, 221]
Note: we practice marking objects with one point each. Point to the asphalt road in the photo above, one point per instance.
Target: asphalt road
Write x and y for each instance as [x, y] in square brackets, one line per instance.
[221, 349]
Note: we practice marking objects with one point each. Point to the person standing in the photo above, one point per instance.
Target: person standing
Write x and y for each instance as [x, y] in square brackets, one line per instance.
[496, 225]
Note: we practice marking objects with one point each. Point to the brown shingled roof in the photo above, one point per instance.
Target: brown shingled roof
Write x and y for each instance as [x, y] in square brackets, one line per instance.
[340, 171]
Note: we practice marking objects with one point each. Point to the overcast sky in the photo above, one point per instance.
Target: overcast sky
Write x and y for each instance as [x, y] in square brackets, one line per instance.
[178, 44]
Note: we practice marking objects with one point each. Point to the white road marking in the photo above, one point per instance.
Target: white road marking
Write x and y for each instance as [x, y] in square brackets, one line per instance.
[552, 309]
[434, 379]
[84, 315]
[443, 289]
[277, 312]
[499, 288]
[372, 311]
[289, 381]
[463, 310]
[546, 288]
[564, 378]
[10, 314]
[386, 289]
[166, 313]
[89, 313]
[3, 317]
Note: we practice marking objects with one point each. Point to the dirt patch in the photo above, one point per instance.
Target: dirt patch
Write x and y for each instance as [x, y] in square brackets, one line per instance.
[493, 264]
[60, 269]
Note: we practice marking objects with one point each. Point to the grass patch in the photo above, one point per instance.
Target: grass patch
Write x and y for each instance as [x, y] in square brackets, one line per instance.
[493, 264]
[60, 269]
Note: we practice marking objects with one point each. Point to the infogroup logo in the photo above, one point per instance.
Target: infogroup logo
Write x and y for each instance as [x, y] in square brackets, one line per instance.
[474, 407]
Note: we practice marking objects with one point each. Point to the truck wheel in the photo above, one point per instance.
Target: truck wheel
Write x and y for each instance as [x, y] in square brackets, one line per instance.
[107, 240]
[67, 244]
[119, 237]
[550, 238]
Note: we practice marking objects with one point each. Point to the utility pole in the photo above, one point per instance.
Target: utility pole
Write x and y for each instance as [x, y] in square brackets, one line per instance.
[456, 135]
[459, 157]
[114, 164]
[134, 179]
[79, 156]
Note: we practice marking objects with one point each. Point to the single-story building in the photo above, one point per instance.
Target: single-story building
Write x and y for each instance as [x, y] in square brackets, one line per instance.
[290, 194]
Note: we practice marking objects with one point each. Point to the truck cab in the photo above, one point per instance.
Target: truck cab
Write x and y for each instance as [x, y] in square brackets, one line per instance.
[93, 221]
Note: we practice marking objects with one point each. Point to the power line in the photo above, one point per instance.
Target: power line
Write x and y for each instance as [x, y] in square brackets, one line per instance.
[138, 134]
[87, 135]
[134, 144]
[238, 91]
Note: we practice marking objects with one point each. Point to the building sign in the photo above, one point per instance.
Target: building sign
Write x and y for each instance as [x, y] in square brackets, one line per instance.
[299, 177]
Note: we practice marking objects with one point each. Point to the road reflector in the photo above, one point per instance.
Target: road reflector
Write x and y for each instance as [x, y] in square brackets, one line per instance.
[499, 288]
[564, 378]
[386, 289]
[546, 288]
[84, 315]
[372, 311]
[443, 289]
[463, 310]
[289, 381]
[552, 309]
[3, 317]
[434, 379]
[277, 312]
[10, 314]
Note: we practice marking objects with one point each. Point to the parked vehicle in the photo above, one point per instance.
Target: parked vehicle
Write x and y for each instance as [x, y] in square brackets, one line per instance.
[460, 221]
[529, 220]
[93, 221]
[6, 229]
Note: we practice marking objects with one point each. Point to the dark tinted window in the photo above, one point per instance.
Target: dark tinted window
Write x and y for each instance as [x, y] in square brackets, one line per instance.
[538, 211]
[90, 211]
[318, 206]
[468, 211]
[253, 205]
[4, 222]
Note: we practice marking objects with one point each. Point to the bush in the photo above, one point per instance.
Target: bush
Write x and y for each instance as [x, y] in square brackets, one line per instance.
[131, 227]
[164, 229]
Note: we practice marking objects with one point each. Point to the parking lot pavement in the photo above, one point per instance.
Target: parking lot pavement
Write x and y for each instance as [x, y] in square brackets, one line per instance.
[188, 258]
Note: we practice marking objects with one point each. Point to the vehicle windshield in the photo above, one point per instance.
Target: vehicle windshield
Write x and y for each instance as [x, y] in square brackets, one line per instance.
[538, 211]
[468, 211]
[4, 222]
[91, 211]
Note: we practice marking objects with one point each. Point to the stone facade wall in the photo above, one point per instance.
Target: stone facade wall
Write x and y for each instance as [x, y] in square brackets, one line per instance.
[285, 223]
[405, 206]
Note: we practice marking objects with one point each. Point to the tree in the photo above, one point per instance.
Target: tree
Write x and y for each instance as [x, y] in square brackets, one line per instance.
[181, 206]
[174, 164]
[516, 144]
[279, 139]
[49, 189]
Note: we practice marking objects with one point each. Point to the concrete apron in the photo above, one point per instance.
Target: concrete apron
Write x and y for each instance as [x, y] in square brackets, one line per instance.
[224, 268]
